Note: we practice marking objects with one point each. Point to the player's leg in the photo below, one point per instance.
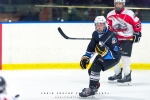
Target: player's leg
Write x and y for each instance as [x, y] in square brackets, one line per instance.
[96, 67]
[94, 74]
[117, 75]
[98, 84]
[126, 80]
[117, 70]
[126, 62]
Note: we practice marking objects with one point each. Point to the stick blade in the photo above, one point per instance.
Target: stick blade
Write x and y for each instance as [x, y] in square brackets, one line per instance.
[16, 96]
[62, 33]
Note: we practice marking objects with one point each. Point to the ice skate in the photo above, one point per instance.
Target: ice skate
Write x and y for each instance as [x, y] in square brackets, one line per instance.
[125, 81]
[88, 92]
[115, 77]
[97, 87]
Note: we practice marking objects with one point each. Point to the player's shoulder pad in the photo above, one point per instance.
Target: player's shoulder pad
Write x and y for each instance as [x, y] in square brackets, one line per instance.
[94, 33]
[130, 13]
[111, 13]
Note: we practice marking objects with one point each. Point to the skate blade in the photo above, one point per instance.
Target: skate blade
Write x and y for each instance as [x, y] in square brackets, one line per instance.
[81, 96]
[109, 81]
[124, 84]
[89, 97]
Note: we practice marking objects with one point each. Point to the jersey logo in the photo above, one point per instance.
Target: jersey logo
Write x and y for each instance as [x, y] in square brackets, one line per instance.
[114, 40]
[115, 48]
[119, 24]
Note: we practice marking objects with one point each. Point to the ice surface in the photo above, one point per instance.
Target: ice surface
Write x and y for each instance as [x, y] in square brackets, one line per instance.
[66, 84]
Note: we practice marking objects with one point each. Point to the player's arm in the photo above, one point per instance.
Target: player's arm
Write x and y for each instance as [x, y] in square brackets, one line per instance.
[89, 53]
[109, 22]
[93, 42]
[136, 24]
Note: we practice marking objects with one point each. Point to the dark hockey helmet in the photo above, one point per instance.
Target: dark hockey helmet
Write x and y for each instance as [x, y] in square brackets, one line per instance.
[2, 84]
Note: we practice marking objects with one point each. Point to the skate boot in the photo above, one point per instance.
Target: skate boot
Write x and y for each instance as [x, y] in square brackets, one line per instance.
[115, 77]
[86, 92]
[96, 88]
[126, 80]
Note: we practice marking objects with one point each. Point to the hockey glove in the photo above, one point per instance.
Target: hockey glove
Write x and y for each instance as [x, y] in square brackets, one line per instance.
[101, 49]
[136, 37]
[84, 62]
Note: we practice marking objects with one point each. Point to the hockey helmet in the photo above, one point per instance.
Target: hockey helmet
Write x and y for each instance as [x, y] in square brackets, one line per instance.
[2, 84]
[100, 19]
[123, 1]
[118, 9]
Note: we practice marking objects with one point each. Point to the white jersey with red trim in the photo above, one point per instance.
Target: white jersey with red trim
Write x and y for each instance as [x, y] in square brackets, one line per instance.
[4, 96]
[124, 24]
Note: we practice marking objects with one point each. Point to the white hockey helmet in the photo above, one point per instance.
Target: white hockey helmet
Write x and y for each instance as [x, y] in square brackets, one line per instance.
[123, 1]
[100, 19]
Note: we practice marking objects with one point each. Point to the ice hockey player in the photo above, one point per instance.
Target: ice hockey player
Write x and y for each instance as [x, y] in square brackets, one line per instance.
[105, 44]
[3, 94]
[127, 27]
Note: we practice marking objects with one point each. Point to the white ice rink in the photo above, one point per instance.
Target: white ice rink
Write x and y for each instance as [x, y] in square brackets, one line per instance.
[31, 85]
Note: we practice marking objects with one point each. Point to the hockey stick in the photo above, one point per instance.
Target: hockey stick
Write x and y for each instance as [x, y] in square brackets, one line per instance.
[15, 97]
[66, 37]
[69, 38]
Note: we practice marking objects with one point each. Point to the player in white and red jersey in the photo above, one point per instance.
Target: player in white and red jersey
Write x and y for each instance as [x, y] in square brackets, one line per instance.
[3, 94]
[127, 27]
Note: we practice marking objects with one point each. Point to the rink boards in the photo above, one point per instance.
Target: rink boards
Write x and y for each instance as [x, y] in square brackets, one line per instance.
[40, 46]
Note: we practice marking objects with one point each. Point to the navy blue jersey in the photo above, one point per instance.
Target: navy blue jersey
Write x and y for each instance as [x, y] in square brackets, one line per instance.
[112, 44]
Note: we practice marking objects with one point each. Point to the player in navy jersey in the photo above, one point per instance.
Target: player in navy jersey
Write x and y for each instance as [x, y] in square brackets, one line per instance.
[105, 44]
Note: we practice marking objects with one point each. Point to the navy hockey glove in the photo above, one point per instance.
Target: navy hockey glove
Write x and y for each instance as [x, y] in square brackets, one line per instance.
[84, 62]
[101, 49]
[136, 37]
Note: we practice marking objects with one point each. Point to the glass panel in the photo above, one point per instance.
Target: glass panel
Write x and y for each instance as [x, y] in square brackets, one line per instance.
[4, 10]
[65, 10]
